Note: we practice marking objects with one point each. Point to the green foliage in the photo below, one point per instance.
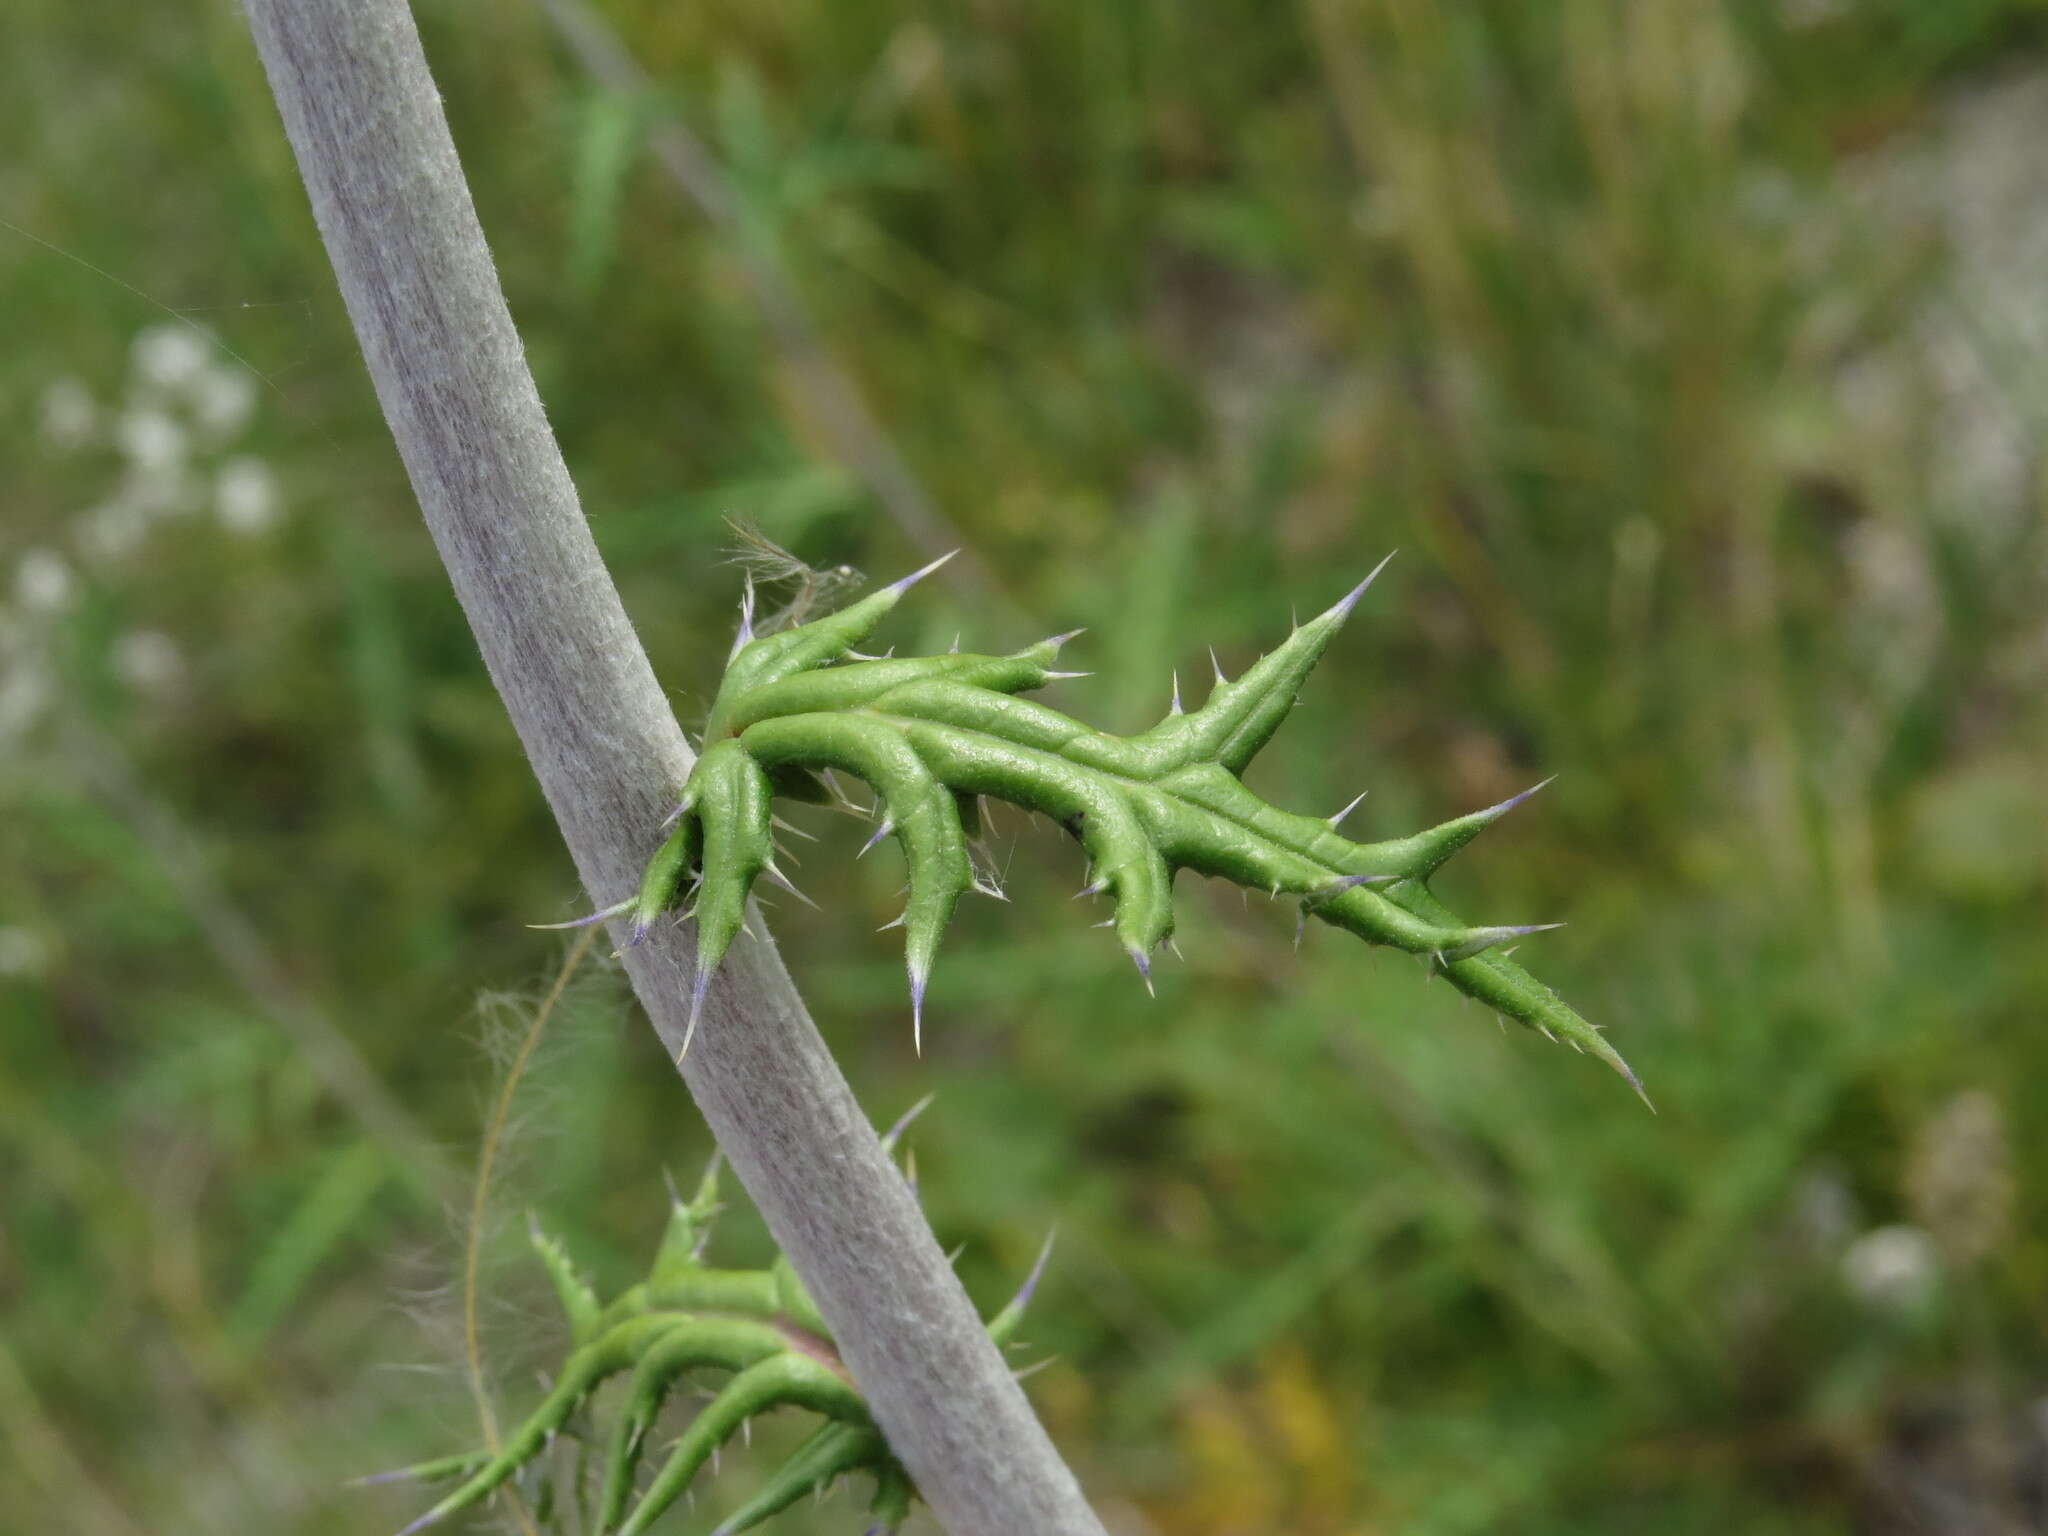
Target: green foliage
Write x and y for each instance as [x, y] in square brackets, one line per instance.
[934, 735]
[758, 1329]
[1635, 323]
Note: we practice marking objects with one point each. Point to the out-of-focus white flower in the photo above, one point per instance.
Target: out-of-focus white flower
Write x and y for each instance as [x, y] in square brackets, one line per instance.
[112, 530]
[42, 581]
[22, 953]
[68, 414]
[222, 399]
[152, 440]
[245, 496]
[168, 356]
[148, 659]
[1894, 1269]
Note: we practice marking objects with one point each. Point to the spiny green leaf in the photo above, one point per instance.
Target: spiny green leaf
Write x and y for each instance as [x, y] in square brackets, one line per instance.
[933, 736]
[756, 1328]
[579, 1301]
[833, 1451]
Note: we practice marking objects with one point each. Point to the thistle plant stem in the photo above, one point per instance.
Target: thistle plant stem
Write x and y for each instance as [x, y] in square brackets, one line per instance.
[373, 147]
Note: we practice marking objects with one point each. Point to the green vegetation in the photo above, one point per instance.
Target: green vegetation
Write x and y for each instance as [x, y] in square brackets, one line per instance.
[756, 1328]
[1708, 433]
[938, 737]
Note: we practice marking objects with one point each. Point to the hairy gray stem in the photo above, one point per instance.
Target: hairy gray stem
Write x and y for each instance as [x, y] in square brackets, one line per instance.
[360, 109]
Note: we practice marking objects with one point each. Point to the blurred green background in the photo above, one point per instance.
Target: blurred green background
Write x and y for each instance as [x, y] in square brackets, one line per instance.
[1691, 353]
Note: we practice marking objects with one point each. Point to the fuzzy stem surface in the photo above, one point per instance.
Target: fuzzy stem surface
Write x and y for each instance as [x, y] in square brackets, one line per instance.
[373, 147]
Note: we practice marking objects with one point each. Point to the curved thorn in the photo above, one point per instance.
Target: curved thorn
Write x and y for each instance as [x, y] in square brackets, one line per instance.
[1218, 666]
[610, 912]
[1030, 1286]
[895, 1132]
[1005, 1322]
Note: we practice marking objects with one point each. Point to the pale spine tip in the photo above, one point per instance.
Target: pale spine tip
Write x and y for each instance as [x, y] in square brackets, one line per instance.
[1030, 1286]
[1482, 939]
[1338, 819]
[378, 1479]
[783, 881]
[1495, 812]
[904, 584]
[1341, 609]
[616, 909]
[903, 1122]
[1339, 886]
[1629, 1075]
[745, 636]
[698, 988]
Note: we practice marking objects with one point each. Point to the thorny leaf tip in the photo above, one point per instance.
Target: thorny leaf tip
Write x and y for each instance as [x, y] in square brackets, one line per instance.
[905, 583]
[1341, 609]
